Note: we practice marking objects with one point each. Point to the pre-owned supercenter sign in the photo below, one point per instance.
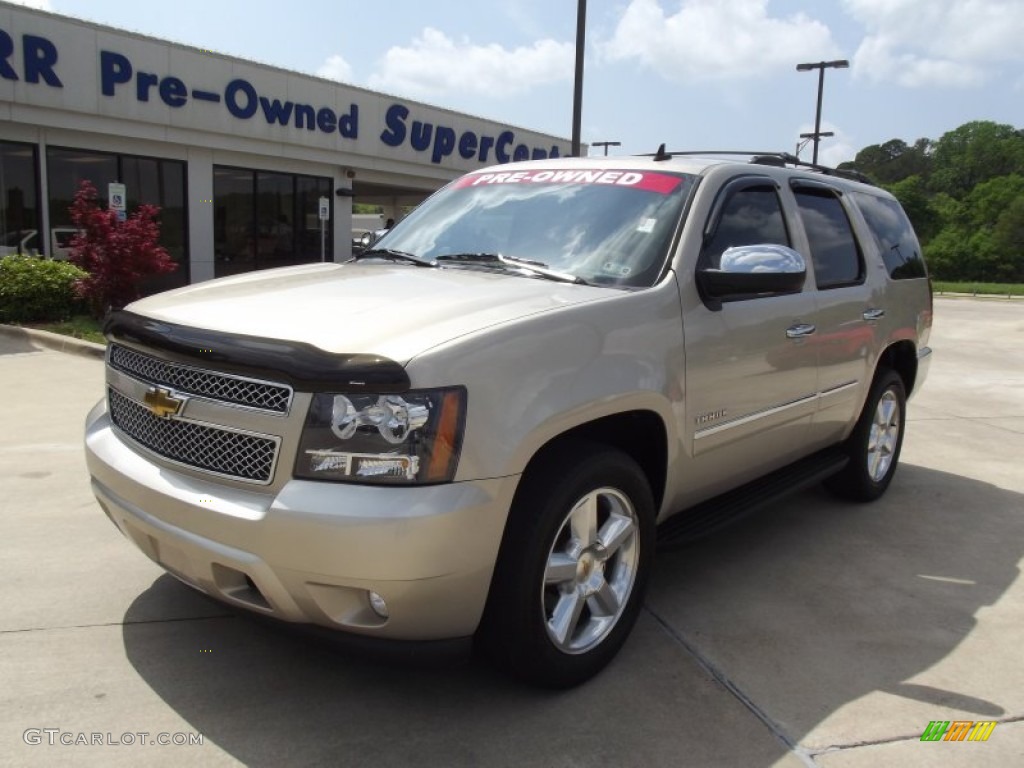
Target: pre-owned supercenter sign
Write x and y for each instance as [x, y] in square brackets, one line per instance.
[39, 64]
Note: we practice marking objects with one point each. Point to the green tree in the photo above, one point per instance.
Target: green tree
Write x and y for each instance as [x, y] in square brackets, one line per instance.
[894, 161]
[1008, 237]
[912, 192]
[973, 153]
[947, 253]
[982, 235]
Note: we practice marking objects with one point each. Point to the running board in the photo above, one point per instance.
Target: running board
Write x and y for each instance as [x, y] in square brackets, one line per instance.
[712, 515]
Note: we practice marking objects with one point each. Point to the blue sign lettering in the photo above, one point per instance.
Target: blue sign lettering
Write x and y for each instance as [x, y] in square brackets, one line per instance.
[442, 140]
[114, 70]
[6, 51]
[39, 61]
[348, 125]
[326, 120]
[173, 92]
[444, 143]
[467, 145]
[394, 135]
[38, 58]
[505, 138]
[231, 99]
[420, 136]
[305, 117]
[275, 111]
[486, 142]
[143, 83]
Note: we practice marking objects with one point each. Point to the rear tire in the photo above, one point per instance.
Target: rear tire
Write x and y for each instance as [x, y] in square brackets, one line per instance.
[573, 567]
[875, 444]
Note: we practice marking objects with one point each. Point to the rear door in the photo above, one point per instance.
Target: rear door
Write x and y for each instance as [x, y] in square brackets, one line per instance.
[848, 308]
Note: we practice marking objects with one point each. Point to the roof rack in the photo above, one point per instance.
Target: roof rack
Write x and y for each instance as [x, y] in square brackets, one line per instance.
[777, 159]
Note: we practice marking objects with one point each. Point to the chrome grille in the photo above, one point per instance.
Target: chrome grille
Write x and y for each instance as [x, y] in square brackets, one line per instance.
[225, 452]
[227, 388]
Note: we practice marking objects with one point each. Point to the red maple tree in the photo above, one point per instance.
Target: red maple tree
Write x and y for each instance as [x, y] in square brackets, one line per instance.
[116, 254]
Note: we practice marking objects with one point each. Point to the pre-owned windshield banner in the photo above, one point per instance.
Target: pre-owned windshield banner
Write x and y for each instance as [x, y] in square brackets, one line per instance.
[649, 182]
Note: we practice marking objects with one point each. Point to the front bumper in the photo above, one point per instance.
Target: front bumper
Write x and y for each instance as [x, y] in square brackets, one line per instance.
[312, 551]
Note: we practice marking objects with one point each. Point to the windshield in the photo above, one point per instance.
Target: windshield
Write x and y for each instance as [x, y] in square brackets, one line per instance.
[607, 227]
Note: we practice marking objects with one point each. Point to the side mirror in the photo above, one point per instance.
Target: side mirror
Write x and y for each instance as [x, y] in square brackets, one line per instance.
[746, 271]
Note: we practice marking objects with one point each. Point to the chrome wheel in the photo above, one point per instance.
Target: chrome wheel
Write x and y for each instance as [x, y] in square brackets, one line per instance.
[590, 570]
[884, 434]
[874, 445]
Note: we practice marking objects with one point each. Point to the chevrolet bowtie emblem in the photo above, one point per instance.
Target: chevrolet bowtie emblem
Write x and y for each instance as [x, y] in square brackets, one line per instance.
[162, 403]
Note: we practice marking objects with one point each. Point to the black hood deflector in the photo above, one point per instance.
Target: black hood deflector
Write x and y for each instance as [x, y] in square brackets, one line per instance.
[306, 367]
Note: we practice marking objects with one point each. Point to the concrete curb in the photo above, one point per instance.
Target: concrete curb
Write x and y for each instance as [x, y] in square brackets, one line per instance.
[55, 341]
[985, 296]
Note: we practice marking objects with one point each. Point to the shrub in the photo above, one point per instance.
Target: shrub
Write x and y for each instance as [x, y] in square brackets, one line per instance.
[37, 290]
[116, 254]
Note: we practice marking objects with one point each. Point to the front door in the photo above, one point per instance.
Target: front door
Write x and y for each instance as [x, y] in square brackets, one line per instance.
[751, 365]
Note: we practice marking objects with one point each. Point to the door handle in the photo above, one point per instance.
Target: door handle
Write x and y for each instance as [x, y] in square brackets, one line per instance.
[800, 331]
[873, 314]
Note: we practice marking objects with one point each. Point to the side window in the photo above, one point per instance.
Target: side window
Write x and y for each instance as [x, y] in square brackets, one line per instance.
[894, 235]
[750, 216]
[834, 251]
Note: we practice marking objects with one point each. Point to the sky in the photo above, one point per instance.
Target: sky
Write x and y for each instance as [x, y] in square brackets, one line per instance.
[695, 74]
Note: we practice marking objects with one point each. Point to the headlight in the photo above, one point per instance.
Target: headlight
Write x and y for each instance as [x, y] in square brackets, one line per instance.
[402, 439]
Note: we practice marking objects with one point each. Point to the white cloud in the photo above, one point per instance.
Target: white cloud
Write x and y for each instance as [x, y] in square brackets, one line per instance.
[42, 5]
[435, 65]
[336, 68]
[716, 39]
[922, 43]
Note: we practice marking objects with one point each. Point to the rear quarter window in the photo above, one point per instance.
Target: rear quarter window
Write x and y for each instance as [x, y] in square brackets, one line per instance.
[893, 234]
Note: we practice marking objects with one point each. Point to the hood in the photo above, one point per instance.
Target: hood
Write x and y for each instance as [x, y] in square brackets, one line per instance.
[392, 310]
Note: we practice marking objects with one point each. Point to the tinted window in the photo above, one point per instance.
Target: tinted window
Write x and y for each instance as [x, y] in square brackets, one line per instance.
[750, 216]
[834, 250]
[894, 235]
[263, 219]
[151, 180]
[19, 211]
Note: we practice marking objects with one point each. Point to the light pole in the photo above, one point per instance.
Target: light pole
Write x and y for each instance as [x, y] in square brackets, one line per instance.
[821, 66]
[807, 137]
[606, 144]
[577, 94]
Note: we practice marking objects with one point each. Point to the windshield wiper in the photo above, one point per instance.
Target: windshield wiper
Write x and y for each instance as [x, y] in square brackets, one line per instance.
[529, 265]
[390, 253]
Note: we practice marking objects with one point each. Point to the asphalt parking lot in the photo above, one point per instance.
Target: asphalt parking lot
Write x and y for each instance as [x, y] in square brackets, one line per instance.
[815, 633]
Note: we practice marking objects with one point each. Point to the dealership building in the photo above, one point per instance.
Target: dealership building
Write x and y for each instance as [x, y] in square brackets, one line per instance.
[239, 156]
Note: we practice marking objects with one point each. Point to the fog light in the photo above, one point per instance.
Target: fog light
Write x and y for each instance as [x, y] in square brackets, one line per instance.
[378, 605]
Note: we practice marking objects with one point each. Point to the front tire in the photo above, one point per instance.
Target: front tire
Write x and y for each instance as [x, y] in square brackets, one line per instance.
[573, 567]
[875, 444]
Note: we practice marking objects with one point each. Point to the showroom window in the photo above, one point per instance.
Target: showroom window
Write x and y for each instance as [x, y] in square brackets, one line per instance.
[151, 180]
[19, 199]
[263, 219]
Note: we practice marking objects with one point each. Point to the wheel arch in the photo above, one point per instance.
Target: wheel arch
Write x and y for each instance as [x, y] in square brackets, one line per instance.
[900, 357]
[640, 434]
